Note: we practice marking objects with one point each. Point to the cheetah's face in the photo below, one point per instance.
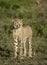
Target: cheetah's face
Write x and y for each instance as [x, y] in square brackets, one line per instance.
[17, 23]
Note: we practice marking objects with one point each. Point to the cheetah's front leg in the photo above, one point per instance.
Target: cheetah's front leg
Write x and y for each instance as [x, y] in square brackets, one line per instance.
[15, 47]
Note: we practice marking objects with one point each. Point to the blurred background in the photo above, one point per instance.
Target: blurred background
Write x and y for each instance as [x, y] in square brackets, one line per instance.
[33, 13]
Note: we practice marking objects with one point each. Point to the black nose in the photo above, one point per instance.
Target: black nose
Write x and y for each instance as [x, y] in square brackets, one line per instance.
[17, 26]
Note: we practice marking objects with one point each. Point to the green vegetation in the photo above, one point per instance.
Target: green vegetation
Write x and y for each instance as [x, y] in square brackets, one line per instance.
[33, 14]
